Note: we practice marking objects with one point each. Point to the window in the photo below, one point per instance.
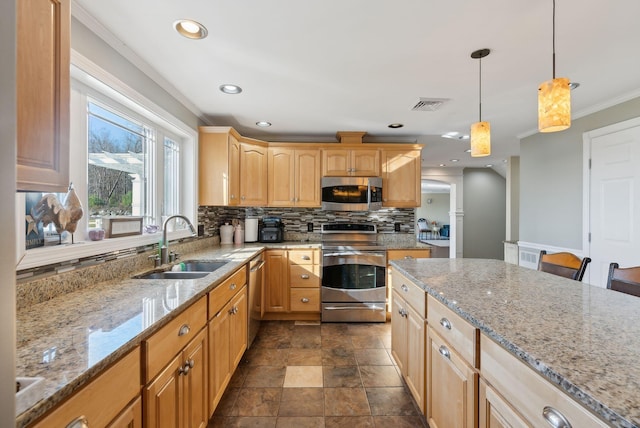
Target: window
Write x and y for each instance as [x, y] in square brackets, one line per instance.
[129, 157]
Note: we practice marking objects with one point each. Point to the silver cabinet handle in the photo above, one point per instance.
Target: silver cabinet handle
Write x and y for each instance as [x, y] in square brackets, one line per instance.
[402, 312]
[404, 288]
[444, 352]
[408, 257]
[305, 257]
[305, 300]
[554, 418]
[232, 286]
[79, 422]
[184, 370]
[190, 363]
[242, 197]
[185, 329]
[233, 310]
[445, 323]
[304, 276]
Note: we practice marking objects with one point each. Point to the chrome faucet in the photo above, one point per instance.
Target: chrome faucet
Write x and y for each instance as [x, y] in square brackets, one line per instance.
[164, 249]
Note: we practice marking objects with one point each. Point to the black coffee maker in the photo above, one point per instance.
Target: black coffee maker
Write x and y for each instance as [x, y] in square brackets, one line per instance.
[271, 229]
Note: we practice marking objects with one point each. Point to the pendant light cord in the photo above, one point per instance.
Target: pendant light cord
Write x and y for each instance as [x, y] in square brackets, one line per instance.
[480, 91]
[554, 39]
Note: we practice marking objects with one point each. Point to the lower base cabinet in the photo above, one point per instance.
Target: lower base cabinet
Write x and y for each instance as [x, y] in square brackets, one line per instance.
[452, 386]
[131, 417]
[177, 397]
[495, 412]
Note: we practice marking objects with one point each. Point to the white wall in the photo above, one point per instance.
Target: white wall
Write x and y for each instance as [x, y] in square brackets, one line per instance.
[551, 179]
[7, 214]
[437, 210]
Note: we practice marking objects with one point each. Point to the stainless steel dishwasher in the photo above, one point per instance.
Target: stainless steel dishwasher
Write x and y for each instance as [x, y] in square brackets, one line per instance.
[256, 308]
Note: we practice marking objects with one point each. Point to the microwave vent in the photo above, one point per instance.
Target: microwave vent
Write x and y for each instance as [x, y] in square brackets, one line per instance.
[429, 104]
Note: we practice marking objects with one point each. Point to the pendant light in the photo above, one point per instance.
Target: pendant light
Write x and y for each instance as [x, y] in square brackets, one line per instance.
[480, 131]
[554, 97]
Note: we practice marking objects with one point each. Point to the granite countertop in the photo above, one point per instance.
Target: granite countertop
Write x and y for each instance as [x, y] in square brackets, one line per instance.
[583, 339]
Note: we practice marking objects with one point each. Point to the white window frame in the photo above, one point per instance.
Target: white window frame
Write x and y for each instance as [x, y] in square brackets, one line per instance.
[93, 78]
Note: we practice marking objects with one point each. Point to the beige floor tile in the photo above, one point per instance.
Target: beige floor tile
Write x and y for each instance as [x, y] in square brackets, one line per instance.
[303, 377]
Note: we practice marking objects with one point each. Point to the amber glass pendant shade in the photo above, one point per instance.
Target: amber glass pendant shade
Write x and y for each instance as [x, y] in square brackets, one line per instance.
[554, 105]
[480, 139]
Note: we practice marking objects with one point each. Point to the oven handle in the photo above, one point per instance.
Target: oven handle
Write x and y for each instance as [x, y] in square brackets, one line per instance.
[354, 257]
[361, 308]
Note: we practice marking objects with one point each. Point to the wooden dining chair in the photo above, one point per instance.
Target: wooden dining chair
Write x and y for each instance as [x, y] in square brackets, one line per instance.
[563, 264]
[625, 280]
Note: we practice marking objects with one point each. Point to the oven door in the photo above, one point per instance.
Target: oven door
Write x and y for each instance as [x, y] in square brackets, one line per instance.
[354, 276]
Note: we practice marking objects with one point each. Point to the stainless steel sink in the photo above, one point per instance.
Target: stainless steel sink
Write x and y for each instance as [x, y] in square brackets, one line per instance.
[203, 265]
[172, 275]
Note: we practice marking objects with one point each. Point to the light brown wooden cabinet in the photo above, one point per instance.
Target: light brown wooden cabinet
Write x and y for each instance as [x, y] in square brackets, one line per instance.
[350, 162]
[294, 177]
[495, 411]
[43, 93]
[177, 397]
[276, 290]
[401, 178]
[232, 171]
[408, 334]
[107, 400]
[304, 280]
[400, 254]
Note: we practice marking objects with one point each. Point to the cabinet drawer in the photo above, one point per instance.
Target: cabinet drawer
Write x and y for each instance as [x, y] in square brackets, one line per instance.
[170, 339]
[411, 293]
[303, 257]
[219, 296]
[305, 300]
[304, 276]
[527, 391]
[103, 398]
[418, 253]
[461, 335]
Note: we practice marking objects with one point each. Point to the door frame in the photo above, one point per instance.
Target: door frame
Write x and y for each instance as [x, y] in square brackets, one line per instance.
[587, 138]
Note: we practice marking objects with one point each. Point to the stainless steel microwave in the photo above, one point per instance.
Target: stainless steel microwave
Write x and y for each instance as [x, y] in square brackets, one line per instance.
[351, 193]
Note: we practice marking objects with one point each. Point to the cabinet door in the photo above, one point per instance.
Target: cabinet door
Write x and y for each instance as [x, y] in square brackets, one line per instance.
[495, 412]
[399, 332]
[307, 178]
[42, 105]
[131, 417]
[196, 407]
[414, 370]
[335, 162]
[401, 178]
[365, 163]
[219, 356]
[281, 177]
[238, 337]
[276, 297]
[163, 397]
[451, 387]
[253, 175]
[234, 171]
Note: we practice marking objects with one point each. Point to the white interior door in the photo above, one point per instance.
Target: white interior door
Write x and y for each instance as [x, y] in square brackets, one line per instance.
[614, 201]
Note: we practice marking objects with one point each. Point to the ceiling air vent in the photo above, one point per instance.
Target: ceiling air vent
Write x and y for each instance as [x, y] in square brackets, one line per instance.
[429, 104]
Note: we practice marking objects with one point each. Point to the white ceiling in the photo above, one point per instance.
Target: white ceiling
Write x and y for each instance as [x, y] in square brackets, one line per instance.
[313, 68]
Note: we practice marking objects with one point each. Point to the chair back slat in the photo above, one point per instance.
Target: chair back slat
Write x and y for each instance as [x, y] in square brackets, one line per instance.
[624, 280]
[563, 264]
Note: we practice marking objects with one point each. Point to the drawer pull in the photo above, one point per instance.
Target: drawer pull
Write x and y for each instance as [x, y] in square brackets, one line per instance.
[305, 300]
[79, 422]
[232, 286]
[305, 257]
[554, 418]
[402, 312]
[185, 329]
[304, 276]
[445, 323]
[408, 257]
[444, 352]
[233, 310]
[404, 288]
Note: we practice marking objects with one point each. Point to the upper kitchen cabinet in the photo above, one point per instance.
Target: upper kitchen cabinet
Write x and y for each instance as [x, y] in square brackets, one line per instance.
[351, 162]
[43, 93]
[401, 178]
[232, 170]
[294, 177]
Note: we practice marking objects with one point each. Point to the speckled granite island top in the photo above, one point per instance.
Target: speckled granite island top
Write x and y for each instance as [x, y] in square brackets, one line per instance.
[584, 339]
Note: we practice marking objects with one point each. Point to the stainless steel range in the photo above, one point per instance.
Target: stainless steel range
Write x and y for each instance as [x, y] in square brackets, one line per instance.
[353, 273]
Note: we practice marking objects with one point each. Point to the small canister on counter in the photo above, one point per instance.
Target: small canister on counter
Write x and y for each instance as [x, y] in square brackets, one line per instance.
[238, 237]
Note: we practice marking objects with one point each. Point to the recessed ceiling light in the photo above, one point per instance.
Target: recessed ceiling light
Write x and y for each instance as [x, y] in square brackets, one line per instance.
[454, 160]
[573, 85]
[455, 135]
[228, 88]
[395, 125]
[190, 29]
[263, 124]
[489, 165]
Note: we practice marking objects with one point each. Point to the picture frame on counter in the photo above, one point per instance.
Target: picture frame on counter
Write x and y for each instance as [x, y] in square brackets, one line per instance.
[119, 226]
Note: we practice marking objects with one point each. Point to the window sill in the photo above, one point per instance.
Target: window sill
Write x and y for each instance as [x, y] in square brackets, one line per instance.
[68, 252]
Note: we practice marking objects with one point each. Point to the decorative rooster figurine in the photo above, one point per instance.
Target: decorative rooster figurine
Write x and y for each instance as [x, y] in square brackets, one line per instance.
[64, 216]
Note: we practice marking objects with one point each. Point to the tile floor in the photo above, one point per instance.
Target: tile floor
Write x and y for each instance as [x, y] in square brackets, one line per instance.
[325, 375]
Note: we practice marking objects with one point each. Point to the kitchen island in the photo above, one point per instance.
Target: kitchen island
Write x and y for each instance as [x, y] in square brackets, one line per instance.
[583, 339]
